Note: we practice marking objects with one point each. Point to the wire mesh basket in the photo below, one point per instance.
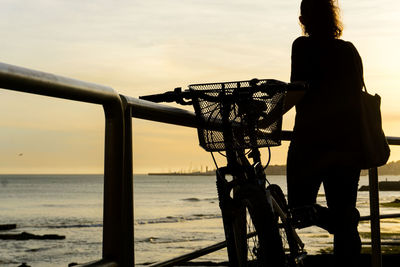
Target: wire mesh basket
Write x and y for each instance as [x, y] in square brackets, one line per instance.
[241, 110]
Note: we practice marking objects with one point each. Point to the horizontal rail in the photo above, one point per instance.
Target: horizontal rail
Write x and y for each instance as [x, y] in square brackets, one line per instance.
[393, 140]
[190, 256]
[42, 83]
[382, 216]
[99, 263]
[143, 109]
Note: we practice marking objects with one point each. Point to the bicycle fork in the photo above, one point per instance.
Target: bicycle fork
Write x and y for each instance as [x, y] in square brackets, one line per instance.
[227, 206]
[233, 213]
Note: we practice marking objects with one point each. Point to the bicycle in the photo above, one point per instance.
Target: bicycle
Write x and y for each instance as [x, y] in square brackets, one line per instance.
[235, 117]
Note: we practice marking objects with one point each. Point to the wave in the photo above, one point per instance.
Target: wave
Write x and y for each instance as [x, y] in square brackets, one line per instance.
[168, 219]
[195, 199]
[37, 249]
[55, 205]
[8, 261]
[156, 240]
[75, 226]
[177, 219]
[191, 199]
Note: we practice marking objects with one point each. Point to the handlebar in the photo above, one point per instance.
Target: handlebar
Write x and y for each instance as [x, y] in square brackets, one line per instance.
[184, 97]
[177, 95]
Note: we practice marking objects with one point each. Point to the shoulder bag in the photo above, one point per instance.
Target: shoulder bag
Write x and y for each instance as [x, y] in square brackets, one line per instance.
[375, 149]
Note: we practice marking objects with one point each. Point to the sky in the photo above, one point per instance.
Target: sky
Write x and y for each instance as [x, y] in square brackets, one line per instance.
[150, 46]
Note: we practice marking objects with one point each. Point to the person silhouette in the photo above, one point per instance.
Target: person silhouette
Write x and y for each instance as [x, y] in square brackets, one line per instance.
[325, 144]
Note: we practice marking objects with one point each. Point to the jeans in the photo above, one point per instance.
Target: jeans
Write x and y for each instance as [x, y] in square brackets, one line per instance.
[341, 216]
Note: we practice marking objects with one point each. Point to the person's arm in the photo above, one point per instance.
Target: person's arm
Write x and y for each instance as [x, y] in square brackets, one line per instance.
[299, 72]
[297, 78]
[294, 97]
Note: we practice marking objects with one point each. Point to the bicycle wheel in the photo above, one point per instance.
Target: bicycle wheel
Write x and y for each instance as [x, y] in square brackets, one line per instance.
[256, 232]
[291, 243]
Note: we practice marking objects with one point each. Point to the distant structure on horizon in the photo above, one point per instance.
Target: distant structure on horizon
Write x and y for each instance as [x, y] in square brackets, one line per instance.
[391, 168]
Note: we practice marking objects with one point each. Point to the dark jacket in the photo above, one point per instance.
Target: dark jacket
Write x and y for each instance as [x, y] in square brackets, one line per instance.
[327, 125]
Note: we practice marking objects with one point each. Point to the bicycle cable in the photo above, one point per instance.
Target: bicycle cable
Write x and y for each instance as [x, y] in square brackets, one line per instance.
[215, 162]
[266, 165]
[222, 154]
[269, 158]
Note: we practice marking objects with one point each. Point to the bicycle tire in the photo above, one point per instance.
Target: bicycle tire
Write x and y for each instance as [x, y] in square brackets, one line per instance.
[291, 245]
[265, 247]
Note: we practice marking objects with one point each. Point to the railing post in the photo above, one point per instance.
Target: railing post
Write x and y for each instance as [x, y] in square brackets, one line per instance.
[376, 256]
[117, 226]
[128, 199]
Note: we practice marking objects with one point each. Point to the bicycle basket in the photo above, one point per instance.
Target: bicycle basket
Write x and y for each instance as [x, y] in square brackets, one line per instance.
[246, 110]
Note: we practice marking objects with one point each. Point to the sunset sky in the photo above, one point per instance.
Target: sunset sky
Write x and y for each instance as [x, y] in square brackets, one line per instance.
[149, 46]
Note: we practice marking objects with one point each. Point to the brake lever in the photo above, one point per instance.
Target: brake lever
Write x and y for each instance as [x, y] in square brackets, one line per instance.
[182, 96]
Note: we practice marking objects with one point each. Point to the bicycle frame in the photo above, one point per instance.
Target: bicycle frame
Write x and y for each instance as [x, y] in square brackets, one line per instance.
[242, 172]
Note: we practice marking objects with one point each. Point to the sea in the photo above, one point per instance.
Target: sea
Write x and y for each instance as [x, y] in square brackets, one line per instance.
[173, 215]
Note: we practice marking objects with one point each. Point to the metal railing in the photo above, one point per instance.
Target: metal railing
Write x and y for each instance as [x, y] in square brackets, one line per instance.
[118, 236]
[117, 244]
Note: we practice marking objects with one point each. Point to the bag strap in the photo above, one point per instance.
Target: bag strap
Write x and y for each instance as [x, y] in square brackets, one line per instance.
[359, 64]
[363, 84]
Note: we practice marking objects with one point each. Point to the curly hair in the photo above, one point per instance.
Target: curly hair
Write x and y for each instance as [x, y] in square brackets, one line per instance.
[321, 18]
